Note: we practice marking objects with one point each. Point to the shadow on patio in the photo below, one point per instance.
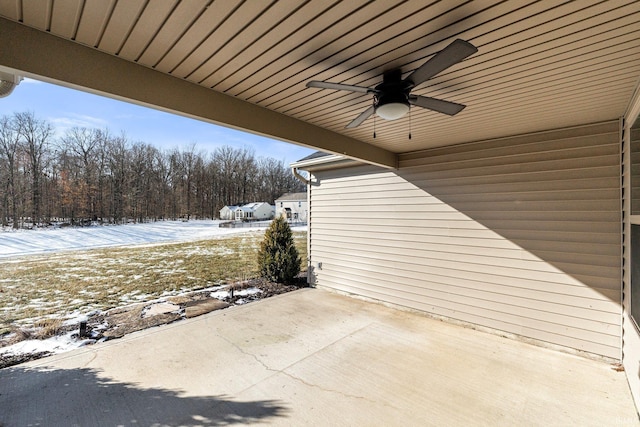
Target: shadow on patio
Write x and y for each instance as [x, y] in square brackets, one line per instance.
[66, 397]
[312, 357]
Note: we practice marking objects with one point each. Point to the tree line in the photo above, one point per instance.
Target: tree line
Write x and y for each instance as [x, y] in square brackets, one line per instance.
[93, 175]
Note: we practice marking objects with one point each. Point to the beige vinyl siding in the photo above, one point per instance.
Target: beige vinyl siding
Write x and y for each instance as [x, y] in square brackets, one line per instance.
[520, 235]
[635, 171]
[631, 203]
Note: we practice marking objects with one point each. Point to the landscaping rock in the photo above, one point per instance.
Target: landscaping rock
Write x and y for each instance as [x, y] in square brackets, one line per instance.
[160, 308]
[197, 308]
[124, 321]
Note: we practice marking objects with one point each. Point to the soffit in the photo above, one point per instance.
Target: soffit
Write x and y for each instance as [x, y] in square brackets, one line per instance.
[540, 65]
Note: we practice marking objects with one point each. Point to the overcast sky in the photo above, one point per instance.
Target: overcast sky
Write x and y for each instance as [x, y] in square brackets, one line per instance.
[67, 108]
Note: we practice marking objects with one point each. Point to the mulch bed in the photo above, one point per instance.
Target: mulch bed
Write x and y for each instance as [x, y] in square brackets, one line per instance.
[118, 322]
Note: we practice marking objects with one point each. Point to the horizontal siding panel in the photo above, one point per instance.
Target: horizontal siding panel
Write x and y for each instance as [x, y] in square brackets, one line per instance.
[522, 237]
[550, 170]
[551, 149]
[406, 197]
[606, 152]
[556, 169]
[497, 257]
[590, 134]
[544, 181]
[492, 264]
[452, 214]
[526, 235]
[487, 318]
[520, 205]
[424, 240]
[573, 298]
[430, 292]
[504, 226]
[490, 185]
[500, 226]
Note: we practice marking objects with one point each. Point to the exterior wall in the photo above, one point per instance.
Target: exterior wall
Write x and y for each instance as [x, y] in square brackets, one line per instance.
[228, 212]
[254, 211]
[298, 209]
[631, 336]
[264, 211]
[297, 205]
[520, 235]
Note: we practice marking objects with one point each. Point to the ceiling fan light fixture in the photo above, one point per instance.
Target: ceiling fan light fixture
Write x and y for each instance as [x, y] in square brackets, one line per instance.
[392, 106]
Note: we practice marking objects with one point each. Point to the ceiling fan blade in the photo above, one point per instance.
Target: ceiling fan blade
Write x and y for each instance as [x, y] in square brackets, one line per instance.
[439, 105]
[361, 118]
[339, 86]
[450, 55]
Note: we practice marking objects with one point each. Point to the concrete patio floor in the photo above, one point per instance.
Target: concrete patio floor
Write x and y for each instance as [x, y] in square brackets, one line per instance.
[312, 357]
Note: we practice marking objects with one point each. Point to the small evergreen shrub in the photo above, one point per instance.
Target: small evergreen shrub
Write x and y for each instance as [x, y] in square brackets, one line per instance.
[278, 258]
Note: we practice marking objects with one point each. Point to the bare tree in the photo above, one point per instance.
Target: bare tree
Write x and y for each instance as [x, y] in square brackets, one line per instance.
[82, 146]
[162, 168]
[35, 136]
[9, 145]
[93, 175]
[102, 152]
[226, 161]
[141, 180]
[117, 160]
[275, 179]
[188, 160]
[247, 174]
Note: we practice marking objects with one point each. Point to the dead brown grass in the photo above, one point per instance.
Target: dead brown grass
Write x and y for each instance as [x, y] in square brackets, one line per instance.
[47, 328]
[34, 290]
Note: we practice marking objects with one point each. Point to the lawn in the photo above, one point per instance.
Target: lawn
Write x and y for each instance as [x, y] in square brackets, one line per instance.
[38, 288]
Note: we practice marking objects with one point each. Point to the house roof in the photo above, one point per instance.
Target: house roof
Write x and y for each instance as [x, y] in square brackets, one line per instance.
[539, 65]
[250, 207]
[315, 155]
[293, 196]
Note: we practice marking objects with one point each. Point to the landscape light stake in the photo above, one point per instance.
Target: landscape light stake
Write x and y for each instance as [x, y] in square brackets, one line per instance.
[82, 333]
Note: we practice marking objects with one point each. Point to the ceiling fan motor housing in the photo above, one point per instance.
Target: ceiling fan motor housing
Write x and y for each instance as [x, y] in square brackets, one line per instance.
[392, 96]
[392, 105]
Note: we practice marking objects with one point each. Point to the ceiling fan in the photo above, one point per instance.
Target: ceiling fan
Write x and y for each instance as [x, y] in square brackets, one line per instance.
[392, 98]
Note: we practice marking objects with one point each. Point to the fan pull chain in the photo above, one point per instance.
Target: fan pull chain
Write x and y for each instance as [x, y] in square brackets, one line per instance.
[374, 127]
[409, 123]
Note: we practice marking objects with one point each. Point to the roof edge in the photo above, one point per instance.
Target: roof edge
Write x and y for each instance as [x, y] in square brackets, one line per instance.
[327, 161]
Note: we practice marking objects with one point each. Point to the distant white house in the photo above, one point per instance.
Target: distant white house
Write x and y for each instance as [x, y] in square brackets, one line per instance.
[254, 211]
[228, 212]
[292, 206]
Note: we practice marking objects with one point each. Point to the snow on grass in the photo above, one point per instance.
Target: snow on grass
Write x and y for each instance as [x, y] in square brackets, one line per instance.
[25, 242]
[53, 345]
[65, 275]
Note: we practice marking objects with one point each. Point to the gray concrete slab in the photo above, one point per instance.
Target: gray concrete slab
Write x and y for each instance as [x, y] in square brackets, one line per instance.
[312, 357]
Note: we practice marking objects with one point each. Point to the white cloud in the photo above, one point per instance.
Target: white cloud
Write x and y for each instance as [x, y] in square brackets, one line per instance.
[79, 120]
[63, 123]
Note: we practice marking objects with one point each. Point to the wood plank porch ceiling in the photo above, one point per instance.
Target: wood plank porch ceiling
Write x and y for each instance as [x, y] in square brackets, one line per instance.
[541, 64]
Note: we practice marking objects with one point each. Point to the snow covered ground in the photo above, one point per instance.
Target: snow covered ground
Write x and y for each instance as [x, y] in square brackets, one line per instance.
[27, 242]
